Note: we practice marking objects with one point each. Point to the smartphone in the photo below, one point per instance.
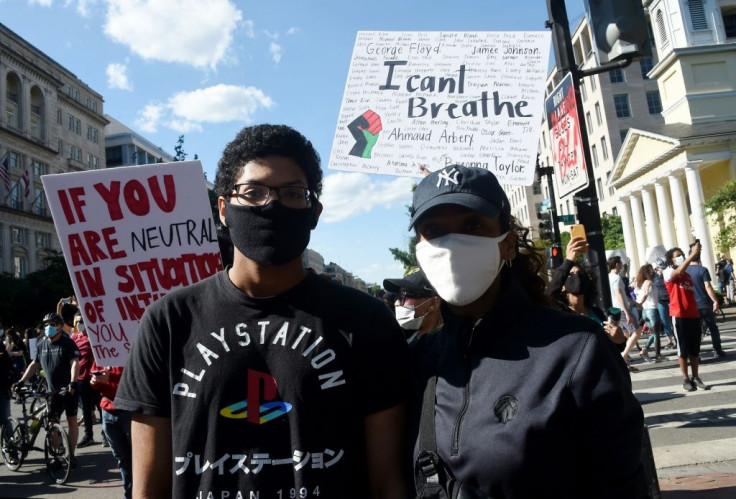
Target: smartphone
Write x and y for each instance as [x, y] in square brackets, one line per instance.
[578, 230]
[95, 373]
[66, 300]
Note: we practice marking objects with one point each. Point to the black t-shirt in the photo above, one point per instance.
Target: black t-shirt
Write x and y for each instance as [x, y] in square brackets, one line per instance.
[266, 395]
[55, 358]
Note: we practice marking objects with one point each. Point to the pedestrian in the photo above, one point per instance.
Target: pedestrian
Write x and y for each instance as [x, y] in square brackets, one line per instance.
[621, 299]
[663, 303]
[87, 396]
[58, 356]
[286, 383]
[707, 302]
[417, 306]
[684, 312]
[647, 296]
[115, 422]
[519, 399]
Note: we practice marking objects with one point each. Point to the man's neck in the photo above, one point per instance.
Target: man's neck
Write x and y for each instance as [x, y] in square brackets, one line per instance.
[261, 281]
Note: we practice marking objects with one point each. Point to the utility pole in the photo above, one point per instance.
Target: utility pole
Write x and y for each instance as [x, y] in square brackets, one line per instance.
[548, 171]
[586, 200]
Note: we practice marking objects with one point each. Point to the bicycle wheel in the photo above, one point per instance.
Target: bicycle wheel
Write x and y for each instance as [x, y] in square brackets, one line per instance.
[57, 454]
[13, 443]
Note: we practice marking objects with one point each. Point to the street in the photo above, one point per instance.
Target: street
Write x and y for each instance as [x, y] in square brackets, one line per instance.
[693, 435]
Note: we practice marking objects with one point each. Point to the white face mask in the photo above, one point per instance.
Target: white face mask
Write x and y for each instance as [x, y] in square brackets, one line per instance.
[460, 267]
[405, 316]
[680, 260]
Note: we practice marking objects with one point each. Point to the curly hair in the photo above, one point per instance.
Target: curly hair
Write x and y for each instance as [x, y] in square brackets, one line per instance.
[529, 266]
[645, 273]
[669, 256]
[256, 142]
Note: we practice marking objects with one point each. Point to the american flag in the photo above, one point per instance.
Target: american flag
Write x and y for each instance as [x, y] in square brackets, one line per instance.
[26, 180]
[5, 173]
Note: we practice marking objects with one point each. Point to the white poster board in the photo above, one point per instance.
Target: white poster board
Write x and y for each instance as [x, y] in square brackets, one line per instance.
[432, 99]
[131, 235]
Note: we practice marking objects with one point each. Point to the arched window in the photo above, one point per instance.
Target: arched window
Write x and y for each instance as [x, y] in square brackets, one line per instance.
[38, 114]
[13, 101]
[662, 29]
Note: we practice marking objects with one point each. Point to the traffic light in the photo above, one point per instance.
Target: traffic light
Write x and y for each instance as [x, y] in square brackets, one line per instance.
[555, 256]
[545, 225]
[619, 29]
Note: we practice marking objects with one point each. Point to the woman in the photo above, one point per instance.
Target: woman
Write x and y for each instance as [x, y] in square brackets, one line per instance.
[647, 296]
[517, 381]
[684, 311]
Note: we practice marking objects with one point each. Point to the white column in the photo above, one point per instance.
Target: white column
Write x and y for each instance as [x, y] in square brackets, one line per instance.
[665, 214]
[651, 218]
[626, 225]
[637, 217]
[682, 220]
[695, 193]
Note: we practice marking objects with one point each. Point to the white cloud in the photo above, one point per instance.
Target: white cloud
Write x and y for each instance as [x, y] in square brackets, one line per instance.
[83, 6]
[249, 28]
[293, 31]
[149, 117]
[346, 195]
[42, 3]
[117, 76]
[275, 50]
[187, 111]
[194, 32]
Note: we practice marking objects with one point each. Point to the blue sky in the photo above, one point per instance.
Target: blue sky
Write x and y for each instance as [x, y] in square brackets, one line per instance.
[206, 68]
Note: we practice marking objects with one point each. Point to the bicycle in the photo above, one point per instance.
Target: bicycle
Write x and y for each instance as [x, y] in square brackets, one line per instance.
[18, 437]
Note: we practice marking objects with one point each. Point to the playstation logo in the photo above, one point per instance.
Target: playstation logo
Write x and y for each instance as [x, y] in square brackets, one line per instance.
[260, 405]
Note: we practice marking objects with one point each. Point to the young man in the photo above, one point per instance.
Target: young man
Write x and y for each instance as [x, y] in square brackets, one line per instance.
[620, 299]
[266, 380]
[516, 380]
[58, 356]
[684, 311]
[707, 301]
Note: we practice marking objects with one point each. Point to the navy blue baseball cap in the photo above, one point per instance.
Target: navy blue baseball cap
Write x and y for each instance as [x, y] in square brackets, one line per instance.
[473, 188]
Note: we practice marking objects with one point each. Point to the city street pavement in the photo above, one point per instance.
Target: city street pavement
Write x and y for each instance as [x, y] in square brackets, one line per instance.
[693, 435]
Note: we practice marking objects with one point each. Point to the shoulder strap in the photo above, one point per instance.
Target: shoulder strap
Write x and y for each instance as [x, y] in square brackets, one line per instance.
[427, 438]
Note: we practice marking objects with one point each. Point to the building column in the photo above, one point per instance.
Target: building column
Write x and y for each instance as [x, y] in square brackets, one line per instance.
[630, 244]
[682, 220]
[651, 219]
[665, 214]
[695, 193]
[637, 218]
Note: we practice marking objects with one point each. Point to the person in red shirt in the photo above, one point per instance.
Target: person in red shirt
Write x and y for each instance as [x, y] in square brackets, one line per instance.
[684, 313]
[87, 396]
[115, 422]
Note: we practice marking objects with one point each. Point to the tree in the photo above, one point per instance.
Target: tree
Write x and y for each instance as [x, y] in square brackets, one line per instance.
[407, 258]
[613, 232]
[179, 150]
[722, 205]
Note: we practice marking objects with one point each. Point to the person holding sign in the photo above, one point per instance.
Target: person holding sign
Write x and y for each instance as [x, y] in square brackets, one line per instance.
[509, 380]
[264, 379]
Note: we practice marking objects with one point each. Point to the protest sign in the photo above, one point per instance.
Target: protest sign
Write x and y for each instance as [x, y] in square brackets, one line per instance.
[431, 99]
[566, 139]
[131, 235]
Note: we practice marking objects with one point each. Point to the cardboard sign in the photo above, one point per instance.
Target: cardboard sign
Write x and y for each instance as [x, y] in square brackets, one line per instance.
[432, 99]
[131, 235]
[566, 139]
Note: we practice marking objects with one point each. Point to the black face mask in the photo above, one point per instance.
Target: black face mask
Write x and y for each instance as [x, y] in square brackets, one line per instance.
[577, 285]
[271, 234]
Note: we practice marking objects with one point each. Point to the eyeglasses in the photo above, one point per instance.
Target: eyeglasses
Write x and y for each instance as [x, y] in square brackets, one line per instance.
[404, 295]
[54, 324]
[260, 195]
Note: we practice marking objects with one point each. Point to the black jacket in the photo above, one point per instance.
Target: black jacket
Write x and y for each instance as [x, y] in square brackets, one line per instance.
[532, 402]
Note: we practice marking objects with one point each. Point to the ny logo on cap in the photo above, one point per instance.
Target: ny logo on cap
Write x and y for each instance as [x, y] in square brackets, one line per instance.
[445, 175]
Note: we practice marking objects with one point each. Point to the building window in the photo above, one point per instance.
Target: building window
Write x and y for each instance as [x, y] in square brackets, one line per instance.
[40, 169]
[13, 159]
[16, 235]
[78, 126]
[600, 189]
[39, 204]
[59, 119]
[71, 152]
[604, 147]
[544, 139]
[611, 190]
[621, 103]
[697, 14]
[42, 240]
[19, 267]
[114, 156]
[594, 155]
[729, 24]
[589, 122]
[614, 210]
[616, 75]
[654, 102]
[598, 115]
[16, 201]
[593, 84]
[662, 29]
[646, 66]
[583, 90]
[60, 146]
[537, 188]
[623, 133]
[70, 123]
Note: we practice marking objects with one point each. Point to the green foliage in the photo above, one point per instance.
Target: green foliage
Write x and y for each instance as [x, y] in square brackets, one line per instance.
[24, 302]
[722, 205]
[613, 232]
[179, 150]
[407, 258]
